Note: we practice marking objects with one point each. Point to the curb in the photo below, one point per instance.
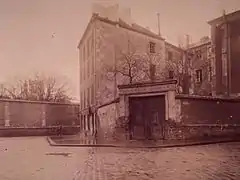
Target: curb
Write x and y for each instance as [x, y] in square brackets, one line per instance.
[52, 143]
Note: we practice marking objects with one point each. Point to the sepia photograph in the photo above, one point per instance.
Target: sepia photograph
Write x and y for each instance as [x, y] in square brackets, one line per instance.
[119, 90]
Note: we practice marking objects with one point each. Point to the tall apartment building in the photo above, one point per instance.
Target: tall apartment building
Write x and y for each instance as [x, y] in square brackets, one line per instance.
[225, 35]
[107, 38]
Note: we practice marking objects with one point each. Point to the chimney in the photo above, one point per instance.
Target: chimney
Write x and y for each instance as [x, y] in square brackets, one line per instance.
[187, 40]
[159, 32]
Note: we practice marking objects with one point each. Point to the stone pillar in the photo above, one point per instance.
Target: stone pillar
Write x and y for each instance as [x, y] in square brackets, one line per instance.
[6, 114]
[43, 115]
[171, 106]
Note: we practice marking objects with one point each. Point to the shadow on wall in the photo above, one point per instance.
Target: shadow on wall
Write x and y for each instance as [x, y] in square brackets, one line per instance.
[107, 121]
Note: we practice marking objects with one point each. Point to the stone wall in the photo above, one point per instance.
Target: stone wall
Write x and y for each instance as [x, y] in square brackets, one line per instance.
[37, 131]
[18, 113]
[209, 110]
[107, 122]
[204, 117]
[200, 131]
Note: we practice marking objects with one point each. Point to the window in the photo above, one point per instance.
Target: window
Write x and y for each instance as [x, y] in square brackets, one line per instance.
[84, 99]
[199, 76]
[152, 71]
[171, 74]
[89, 96]
[89, 47]
[199, 54]
[88, 68]
[152, 47]
[81, 75]
[83, 52]
[81, 97]
[210, 73]
[92, 94]
[84, 75]
[170, 56]
[92, 66]
[92, 42]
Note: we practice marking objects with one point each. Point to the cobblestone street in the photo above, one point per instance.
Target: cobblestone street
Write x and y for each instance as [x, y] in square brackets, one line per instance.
[32, 158]
[197, 162]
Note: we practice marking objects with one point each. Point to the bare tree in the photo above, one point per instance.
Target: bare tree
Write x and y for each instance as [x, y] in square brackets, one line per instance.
[38, 88]
[3, 92]
[127, 63]
[178, 68]
[184, 69]
[151, 61]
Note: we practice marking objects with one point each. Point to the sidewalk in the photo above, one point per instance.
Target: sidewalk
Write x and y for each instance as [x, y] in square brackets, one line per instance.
[71, 141]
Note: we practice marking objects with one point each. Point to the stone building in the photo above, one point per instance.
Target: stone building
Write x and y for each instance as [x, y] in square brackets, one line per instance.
[175, 66]
[225, 35]
[200, 67]
[109, 44]
[121, 61]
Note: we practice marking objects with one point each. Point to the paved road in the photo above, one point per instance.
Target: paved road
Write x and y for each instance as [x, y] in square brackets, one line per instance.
[33, 159]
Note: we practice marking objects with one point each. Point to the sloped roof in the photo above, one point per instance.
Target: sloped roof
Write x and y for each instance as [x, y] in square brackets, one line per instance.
[230, 17]
[174, 47]
[133, 27]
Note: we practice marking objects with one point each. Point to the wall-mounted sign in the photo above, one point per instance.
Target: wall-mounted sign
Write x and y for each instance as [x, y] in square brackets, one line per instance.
[148, 89]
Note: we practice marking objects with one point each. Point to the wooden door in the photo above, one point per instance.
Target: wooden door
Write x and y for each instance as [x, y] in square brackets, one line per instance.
[147, 115]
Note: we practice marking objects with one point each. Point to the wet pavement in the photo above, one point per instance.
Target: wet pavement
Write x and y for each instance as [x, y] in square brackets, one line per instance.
[32, 158]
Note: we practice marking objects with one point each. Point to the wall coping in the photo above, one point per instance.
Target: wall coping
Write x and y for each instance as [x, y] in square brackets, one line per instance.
[147, 84]
[210, 125]
[47, 127]
[37, 102]
[209, 98]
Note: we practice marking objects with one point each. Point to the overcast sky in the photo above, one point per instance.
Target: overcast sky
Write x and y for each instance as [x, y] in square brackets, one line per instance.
[42, 35]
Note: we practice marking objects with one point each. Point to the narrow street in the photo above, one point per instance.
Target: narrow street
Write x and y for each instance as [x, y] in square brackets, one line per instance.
[32, 158]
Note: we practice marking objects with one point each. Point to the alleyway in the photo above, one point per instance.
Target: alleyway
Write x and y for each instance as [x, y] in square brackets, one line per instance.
[32, 158]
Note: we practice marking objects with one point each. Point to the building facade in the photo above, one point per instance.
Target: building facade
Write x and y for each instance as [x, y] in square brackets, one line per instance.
[225, 34]
[112, 42]
[200, 67]
[115, 51]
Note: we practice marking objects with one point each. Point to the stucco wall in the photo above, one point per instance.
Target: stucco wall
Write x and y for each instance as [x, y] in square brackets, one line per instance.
[37, 114]
[209, 110]
[107, 122]
[204, 117]
[111, 42]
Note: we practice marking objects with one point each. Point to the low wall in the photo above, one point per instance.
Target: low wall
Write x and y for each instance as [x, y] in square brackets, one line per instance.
[19, 113]
[208, 110]
[204, 117]
[46, 131]
[200, 131]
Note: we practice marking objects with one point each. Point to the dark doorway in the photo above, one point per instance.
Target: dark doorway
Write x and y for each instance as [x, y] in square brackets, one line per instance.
[147, 115]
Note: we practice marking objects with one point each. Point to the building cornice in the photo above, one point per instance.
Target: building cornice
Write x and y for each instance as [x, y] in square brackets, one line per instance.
[119, 23]
[229, 17]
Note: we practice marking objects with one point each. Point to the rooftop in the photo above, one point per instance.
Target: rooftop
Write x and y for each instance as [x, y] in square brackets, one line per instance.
[132, 27]
[230, 17]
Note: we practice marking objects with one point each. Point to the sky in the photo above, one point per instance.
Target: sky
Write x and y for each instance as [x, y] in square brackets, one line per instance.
[42, 36]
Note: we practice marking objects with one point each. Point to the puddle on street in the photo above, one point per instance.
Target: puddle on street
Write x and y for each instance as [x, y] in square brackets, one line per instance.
[59, 154]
